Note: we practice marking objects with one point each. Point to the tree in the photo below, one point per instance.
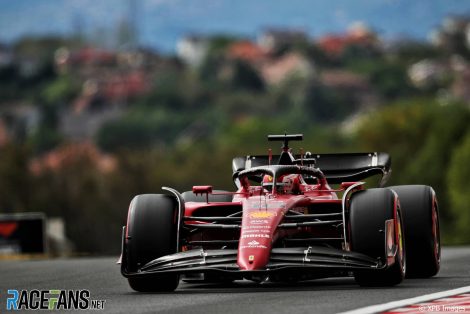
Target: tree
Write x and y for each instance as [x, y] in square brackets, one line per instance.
[457, 185]
[15, 180]
[246, 77]
[390, 78]
[420, 136]
[60, 91]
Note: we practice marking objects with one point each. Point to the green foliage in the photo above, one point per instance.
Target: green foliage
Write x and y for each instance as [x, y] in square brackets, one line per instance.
[245, 77]
[230, 75]
[141, 129]
[9, 82]
[166, 93]
[86, 199]
[219, 44]
[15, 183]
[60, 91]
[20, 82]
[355, 53]
[42, 47]
[420, 135]
[412, 52]
[209, 69]
[388, 77]
[458, 187]
[46, 136]
[326, 105]
[317, 56]
[45, 139]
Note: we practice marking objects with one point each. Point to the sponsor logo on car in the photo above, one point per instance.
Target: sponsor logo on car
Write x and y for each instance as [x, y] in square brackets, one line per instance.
[267, 205]
[254, 245]
[256, 227]
[261, 215]
[256, 231]
[258, 221]
[256, 236]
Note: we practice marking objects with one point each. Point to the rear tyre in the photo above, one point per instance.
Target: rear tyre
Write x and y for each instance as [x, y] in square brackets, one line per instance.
[151, 233]
[421, 220]
[189, 196]
[369, 210]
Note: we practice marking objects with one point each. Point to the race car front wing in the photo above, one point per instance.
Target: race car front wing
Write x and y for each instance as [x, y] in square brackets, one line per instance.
[311, 259]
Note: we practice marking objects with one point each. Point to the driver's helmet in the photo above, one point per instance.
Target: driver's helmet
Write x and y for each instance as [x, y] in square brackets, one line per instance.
[288, 184]
[291, 183]
[268, 182]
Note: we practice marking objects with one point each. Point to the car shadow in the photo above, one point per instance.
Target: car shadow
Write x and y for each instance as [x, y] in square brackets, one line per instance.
[246, 286]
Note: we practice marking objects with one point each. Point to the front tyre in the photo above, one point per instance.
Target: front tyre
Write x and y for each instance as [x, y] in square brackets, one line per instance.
[151, 233]
[369, 211]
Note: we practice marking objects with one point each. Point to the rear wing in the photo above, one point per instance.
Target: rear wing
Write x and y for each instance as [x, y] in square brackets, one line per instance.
[337, 168]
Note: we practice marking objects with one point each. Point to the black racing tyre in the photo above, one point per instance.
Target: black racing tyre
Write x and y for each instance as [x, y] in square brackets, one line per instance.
[421, 220]
[151, 233]
[189, 196]
[369, 210]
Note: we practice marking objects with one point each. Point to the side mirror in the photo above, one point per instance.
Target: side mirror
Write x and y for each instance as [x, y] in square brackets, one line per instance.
[203, 189]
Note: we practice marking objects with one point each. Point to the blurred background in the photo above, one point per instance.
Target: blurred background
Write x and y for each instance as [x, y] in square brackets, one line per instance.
[102, 100]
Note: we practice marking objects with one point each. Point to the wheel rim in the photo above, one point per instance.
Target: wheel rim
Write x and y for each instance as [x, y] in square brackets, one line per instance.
[435, 233]
[401, 251]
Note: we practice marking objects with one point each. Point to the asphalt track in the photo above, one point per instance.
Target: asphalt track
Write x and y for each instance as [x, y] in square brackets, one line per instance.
[102, 278]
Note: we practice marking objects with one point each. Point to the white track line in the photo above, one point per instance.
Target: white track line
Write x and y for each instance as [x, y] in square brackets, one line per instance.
[401, 303]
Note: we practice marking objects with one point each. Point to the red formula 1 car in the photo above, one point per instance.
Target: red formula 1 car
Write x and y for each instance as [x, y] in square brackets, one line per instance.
[285, 223]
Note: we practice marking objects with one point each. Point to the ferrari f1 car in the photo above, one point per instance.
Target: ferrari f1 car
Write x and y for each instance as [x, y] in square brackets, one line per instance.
[285, 223]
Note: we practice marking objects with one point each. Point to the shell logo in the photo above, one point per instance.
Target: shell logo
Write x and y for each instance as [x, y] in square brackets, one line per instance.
[261, 215]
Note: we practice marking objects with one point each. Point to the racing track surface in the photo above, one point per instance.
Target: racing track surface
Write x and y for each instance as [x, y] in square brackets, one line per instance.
[101, 276]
